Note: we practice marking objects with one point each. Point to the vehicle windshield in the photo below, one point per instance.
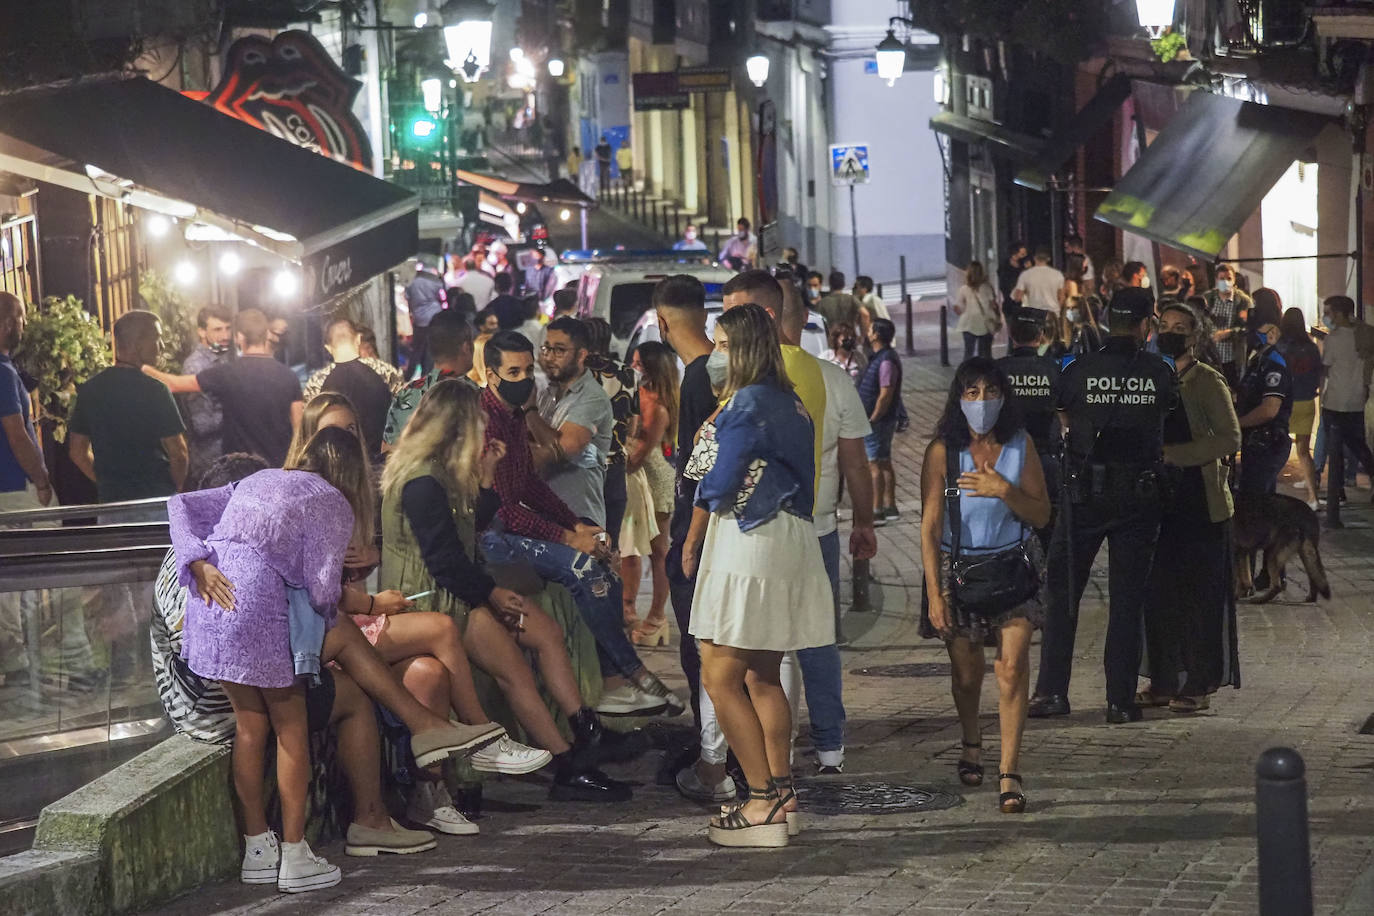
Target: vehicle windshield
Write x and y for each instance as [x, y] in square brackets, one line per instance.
[629, 301]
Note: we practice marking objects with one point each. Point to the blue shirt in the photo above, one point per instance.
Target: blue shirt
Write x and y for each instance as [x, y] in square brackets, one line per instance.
[986, 523]
[14, 399]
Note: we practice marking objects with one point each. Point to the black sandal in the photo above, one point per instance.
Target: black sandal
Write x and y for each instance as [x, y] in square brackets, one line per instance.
[731, 828]
[970, 773]
[788, 793]
[1011, 802]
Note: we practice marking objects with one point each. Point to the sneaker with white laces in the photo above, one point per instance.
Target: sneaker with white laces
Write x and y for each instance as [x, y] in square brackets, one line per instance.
[261, 859]
[302, 870]
[509, 757]
[629, 700]
[431, 805]
[650, 684]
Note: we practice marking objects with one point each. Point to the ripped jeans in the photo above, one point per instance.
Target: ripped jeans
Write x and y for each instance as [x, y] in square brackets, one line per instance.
[594, 587]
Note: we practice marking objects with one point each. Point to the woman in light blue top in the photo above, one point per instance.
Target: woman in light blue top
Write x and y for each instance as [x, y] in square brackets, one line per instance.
[1002, 498]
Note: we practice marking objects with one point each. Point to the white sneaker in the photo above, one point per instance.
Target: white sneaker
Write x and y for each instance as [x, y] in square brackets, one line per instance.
[431, 805]
[629, 700]
[261, 859]
[509, 757]
[302, 870]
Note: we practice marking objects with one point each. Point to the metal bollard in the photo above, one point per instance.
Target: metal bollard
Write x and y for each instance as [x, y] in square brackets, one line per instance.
[944, 335]
[1285, 862]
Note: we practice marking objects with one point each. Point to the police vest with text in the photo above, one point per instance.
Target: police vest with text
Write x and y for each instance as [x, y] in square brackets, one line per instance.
[1032, 378]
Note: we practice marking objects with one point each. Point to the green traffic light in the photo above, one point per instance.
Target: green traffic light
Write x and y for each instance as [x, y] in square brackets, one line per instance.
[423, 127]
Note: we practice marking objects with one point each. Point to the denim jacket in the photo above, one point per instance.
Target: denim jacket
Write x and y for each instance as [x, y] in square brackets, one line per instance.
[761, 422]
[307, 634]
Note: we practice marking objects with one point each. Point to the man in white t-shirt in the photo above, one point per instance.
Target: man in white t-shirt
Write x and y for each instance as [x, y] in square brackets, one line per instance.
[479, 285]
[842, 453]
[1346, 362]
[1038, 287]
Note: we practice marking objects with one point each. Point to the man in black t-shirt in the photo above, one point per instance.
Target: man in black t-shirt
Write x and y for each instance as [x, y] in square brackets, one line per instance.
[680, 303]
[261, 397]
[356, 380]
[509, 310]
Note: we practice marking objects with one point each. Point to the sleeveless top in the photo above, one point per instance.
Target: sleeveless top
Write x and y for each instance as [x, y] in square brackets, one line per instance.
[403, 565]
[987, 524]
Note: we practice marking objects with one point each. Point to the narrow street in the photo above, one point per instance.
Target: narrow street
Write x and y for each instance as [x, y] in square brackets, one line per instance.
[1151, 818]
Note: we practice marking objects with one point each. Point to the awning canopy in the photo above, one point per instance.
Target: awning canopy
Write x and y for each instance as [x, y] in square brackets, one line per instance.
[1091, 118]
[560, 192]
[1013, 144]
[1207, 172]
[137, 141]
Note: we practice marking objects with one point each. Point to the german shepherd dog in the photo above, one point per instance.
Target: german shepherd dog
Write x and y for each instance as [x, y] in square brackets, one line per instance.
[1281, 526]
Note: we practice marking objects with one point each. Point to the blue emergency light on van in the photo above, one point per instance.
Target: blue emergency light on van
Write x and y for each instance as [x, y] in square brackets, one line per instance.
[591, 255]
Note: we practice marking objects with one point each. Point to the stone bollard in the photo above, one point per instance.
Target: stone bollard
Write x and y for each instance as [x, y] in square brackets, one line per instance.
[1285, 862]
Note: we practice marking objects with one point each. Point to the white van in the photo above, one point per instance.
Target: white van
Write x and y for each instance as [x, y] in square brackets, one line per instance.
[621, 291]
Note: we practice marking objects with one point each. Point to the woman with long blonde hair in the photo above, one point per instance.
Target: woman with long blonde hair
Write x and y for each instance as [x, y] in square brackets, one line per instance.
[436, 495]
[656, 366]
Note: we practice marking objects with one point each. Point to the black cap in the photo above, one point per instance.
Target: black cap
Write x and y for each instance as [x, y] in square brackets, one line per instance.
[1031, 315]
[1133, 303]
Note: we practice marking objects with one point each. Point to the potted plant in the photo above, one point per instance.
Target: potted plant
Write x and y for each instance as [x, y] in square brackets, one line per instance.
[178, 321]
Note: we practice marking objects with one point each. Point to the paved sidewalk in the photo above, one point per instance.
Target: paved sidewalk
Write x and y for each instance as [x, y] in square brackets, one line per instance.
[1150, 818]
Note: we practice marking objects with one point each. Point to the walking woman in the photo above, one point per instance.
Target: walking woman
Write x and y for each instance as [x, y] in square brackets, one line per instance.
[656, 366]
[1190, 608]
[436, 495]
[1001, 500]
[1305, 363]
[976, 306]
[273, 528]
[1079, 332]
[762, 588]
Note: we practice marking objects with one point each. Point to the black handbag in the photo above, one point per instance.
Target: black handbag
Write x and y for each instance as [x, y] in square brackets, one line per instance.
[986, 584]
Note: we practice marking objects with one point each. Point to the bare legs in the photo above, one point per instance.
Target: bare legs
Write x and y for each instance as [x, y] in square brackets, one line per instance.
[659, 560]
[1013, 691]
[497, 651]
[360, 751]
[1306, 466]
[758, 724]
[346, 645]
[631, 572]
[257, 712]
[884, 483]
[427, 633]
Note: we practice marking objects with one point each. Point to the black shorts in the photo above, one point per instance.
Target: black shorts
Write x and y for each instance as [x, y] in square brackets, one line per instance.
[319, 701]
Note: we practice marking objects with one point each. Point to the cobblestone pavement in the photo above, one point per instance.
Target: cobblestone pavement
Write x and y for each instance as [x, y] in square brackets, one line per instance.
[1149, 818]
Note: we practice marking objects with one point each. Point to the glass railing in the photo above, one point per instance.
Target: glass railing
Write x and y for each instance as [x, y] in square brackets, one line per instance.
[77, 696]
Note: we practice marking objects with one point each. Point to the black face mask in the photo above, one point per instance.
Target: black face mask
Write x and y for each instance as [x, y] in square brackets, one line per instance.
[1172, 344]
[847, 343]
[516, 394]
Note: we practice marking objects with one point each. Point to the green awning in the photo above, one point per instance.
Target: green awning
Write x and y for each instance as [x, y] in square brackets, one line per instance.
[1207, 172]
[1010, 143]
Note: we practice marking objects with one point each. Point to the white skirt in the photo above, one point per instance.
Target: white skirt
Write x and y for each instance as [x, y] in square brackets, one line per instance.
[639, 527]
[763, 589]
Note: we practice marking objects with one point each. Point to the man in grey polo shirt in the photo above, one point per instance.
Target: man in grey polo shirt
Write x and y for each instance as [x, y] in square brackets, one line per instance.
[575, 438]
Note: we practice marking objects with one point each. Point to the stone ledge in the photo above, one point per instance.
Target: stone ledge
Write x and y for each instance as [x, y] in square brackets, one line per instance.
[156, 826]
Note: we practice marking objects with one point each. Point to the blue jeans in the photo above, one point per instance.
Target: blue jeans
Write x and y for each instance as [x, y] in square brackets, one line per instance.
[821, 670]
[594, 588]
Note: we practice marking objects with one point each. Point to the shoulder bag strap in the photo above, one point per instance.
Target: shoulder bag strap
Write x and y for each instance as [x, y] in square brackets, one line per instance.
[952, 501]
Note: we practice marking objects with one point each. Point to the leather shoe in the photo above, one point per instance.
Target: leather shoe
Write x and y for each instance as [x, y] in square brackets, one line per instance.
[1043, 707]
[1120, 715]
[588, 786]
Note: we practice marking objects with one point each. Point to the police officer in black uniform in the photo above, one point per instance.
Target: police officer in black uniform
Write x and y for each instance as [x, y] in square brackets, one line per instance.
[1112, 404]
[1263, 403]
[1032, 375]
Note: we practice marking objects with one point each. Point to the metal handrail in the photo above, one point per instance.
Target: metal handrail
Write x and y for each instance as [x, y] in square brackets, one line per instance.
[108, 511]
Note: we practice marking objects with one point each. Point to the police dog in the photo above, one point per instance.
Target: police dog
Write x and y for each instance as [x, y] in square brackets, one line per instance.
[1281, 526]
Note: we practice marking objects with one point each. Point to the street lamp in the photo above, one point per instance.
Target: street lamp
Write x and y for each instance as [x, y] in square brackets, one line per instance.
[468, 39]
[556, 67]
[891, 55]
[757, 68]
[421, 20]
[1155, 15]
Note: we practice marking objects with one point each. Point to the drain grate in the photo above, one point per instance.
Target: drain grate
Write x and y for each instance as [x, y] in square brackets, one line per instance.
[830, 798]
[917, 669]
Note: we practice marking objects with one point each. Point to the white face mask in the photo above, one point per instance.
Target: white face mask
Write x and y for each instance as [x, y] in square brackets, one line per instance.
[1223, 286]
[1327, 319]
[1072, 315]
[1145, 282]
[690, 235]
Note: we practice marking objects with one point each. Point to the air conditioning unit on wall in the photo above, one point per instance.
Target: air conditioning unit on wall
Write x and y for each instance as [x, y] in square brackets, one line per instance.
[978, 97]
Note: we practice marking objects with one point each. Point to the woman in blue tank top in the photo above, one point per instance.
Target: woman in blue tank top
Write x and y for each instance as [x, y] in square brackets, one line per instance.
[1002, 498]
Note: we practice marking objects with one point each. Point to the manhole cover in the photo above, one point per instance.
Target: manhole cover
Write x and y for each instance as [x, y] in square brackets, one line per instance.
[918, 669]
[873, 798]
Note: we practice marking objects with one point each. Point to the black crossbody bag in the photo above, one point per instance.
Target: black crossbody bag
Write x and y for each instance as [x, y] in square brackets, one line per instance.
[985, 584]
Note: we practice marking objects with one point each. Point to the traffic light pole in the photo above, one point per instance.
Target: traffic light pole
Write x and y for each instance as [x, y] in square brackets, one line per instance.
[854, 227]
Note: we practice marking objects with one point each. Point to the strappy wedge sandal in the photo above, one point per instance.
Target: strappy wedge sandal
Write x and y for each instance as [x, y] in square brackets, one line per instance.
[734, 830]
[788, 794]
[970, 773]
[1011, 802]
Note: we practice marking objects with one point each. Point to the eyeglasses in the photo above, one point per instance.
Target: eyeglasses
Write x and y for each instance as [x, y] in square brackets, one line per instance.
[560, 352]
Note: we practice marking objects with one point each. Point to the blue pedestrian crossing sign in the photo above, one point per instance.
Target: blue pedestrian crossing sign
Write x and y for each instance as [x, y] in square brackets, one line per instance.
[849, 163]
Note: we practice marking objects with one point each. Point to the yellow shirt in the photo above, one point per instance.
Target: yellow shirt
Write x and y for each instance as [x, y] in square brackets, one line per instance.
[623, 158]
[805, 372]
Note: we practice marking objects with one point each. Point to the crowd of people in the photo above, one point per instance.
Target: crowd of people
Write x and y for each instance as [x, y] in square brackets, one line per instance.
[464, 544]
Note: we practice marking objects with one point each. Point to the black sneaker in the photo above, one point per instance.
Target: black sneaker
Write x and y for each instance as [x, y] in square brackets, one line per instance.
[590, 785]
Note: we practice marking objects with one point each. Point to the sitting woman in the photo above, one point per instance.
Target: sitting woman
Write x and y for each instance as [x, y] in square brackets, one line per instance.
[436, 496]
[276, 527]
[983, 465]
[406, 642]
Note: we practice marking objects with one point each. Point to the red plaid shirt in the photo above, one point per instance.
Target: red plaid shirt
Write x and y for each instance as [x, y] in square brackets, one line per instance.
[528, 506]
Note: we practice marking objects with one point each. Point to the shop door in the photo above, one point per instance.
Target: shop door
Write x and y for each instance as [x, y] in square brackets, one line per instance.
[983, 219]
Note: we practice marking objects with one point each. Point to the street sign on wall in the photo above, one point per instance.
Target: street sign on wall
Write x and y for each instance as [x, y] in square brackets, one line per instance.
[658, 92]
[848, 163]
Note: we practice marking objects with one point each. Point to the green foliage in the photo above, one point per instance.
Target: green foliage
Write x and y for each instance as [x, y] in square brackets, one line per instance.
[1168, 46]
[178, 319]
[63, 346]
